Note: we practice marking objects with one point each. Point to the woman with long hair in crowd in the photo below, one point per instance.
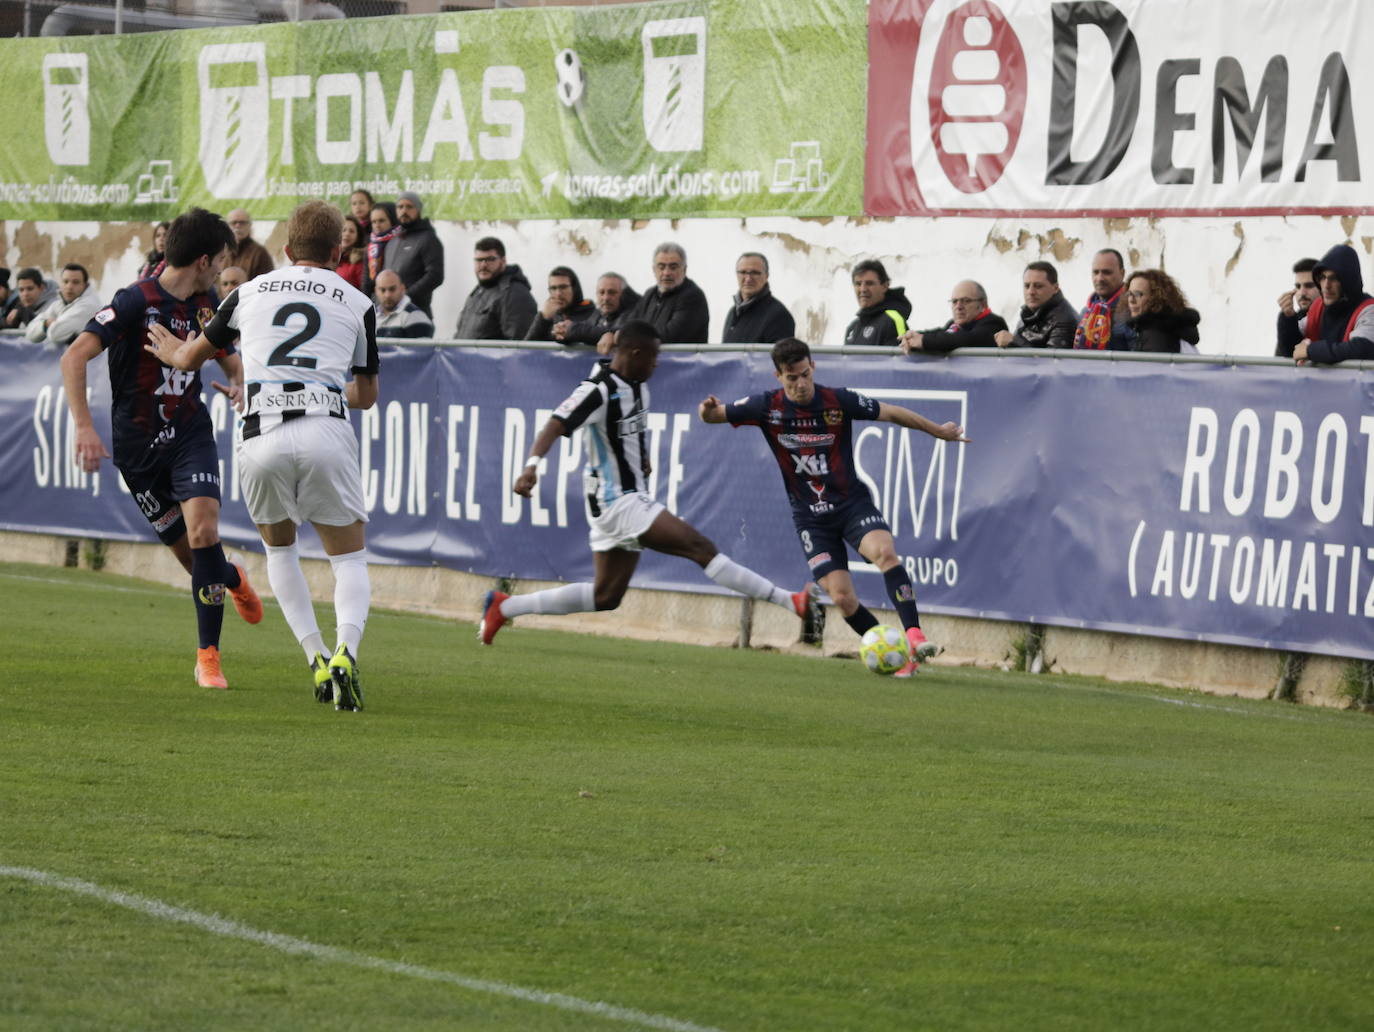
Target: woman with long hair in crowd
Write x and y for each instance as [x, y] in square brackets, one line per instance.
[1160, 315]
[385, 225]
[354, 257]
[153, 260]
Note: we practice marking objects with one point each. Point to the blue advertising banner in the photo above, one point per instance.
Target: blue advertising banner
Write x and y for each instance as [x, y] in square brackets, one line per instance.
[1211, 501]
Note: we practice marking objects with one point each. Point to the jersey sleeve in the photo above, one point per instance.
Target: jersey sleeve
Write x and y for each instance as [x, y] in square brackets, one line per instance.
[123, 314]
[750, 411]
[365, 359]
[223, 329]
[587, 404]
[856, 405]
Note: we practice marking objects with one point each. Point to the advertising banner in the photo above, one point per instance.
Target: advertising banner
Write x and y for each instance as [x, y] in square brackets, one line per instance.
[1201, 501]
[1118, 107]
[690, 108]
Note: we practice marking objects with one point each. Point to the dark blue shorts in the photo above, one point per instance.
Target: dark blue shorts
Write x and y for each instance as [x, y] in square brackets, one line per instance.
[187, 467]
[823, 538]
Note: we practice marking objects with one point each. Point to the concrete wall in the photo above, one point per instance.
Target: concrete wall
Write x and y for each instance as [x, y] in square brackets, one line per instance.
[713, 620]
[1232, 269]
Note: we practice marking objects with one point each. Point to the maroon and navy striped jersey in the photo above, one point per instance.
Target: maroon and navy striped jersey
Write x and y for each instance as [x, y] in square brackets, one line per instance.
[149, 397]
[813, 443]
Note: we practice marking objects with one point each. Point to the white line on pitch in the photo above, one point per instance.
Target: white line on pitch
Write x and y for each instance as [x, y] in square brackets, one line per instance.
[216, 925]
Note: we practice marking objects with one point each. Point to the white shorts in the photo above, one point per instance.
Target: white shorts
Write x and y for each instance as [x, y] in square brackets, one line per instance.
[619, 526]
[303, 471]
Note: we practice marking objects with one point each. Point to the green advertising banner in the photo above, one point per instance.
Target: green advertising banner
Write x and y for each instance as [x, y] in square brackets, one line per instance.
[691, 108]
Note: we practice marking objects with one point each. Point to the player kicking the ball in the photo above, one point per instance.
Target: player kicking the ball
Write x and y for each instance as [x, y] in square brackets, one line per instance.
[810, 429]
[302, 330]
[623, 518]
[164, 443]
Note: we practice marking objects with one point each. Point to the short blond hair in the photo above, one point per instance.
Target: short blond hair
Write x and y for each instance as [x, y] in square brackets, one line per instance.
[315, 230]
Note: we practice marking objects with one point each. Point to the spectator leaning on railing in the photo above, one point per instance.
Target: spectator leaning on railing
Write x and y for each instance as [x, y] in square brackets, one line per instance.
[1339, 324]
[1102, 323]
[755, 315]
[615, 299]
[32, 294]
[883, 308]
[974, 325]
[1293, 305]
[501, 306]
[67, 314]
[1047, 318]
[564, 307]
[397, 315]
[1160, 316]
[674, 305]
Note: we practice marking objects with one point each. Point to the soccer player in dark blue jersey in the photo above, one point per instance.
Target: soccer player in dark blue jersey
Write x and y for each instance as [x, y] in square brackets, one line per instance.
[164, 443]
[810, 429]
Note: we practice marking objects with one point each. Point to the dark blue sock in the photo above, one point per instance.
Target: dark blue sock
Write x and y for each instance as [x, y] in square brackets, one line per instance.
[207, 588]
[861, 620]
[903, 596]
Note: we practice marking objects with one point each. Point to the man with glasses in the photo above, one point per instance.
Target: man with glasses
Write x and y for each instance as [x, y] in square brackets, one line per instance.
[675, 306]
[756, 316]
[564, 307]
[1340, 323]
[974, 325]
[501, 306]
[247, 253]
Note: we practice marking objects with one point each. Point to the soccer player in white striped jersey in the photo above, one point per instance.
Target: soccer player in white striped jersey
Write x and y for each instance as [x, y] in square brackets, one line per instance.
[623, 518]
[302, 330]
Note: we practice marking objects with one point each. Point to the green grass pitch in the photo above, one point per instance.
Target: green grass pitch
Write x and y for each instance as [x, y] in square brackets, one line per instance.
[659, 836]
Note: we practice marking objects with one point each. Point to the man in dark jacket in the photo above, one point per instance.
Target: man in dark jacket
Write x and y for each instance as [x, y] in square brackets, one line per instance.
[615, 299]
[1102, 323]
[1340, 323]
[883, 309]
[1293, 305]
[564, 306]
[756, 317]
[415, 253]
[501, 306]
[1048, 320]
[675, 306]
[974, 325]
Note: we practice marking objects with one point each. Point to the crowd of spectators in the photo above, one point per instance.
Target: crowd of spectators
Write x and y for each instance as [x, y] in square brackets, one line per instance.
[393, 254]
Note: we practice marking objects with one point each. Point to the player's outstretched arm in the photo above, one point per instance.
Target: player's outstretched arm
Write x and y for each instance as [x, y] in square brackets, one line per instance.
[361, 391]
[87, 445]
[712, 410]
[915, 421]
[189, 354]
[529, 476]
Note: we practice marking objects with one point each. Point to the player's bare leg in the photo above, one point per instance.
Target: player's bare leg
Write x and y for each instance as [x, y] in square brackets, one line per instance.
[878, 548]
[613, 570]
[674, 536]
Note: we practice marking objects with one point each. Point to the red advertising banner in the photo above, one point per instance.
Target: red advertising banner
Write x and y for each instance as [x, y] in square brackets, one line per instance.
[1119, 108]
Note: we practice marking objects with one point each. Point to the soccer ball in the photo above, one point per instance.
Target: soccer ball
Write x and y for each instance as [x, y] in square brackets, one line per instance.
[884, 650]
[572, 80]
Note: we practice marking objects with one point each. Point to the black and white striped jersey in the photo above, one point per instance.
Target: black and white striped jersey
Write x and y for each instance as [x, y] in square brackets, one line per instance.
[301, 331]
[615, 413]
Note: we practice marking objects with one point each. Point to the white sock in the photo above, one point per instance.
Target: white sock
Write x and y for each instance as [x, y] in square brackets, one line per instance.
[352, 596]
[570, 598]
[293, 595]
[730, 574]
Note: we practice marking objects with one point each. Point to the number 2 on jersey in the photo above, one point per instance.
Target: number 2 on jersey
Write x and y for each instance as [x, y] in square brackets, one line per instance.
[281, 355]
